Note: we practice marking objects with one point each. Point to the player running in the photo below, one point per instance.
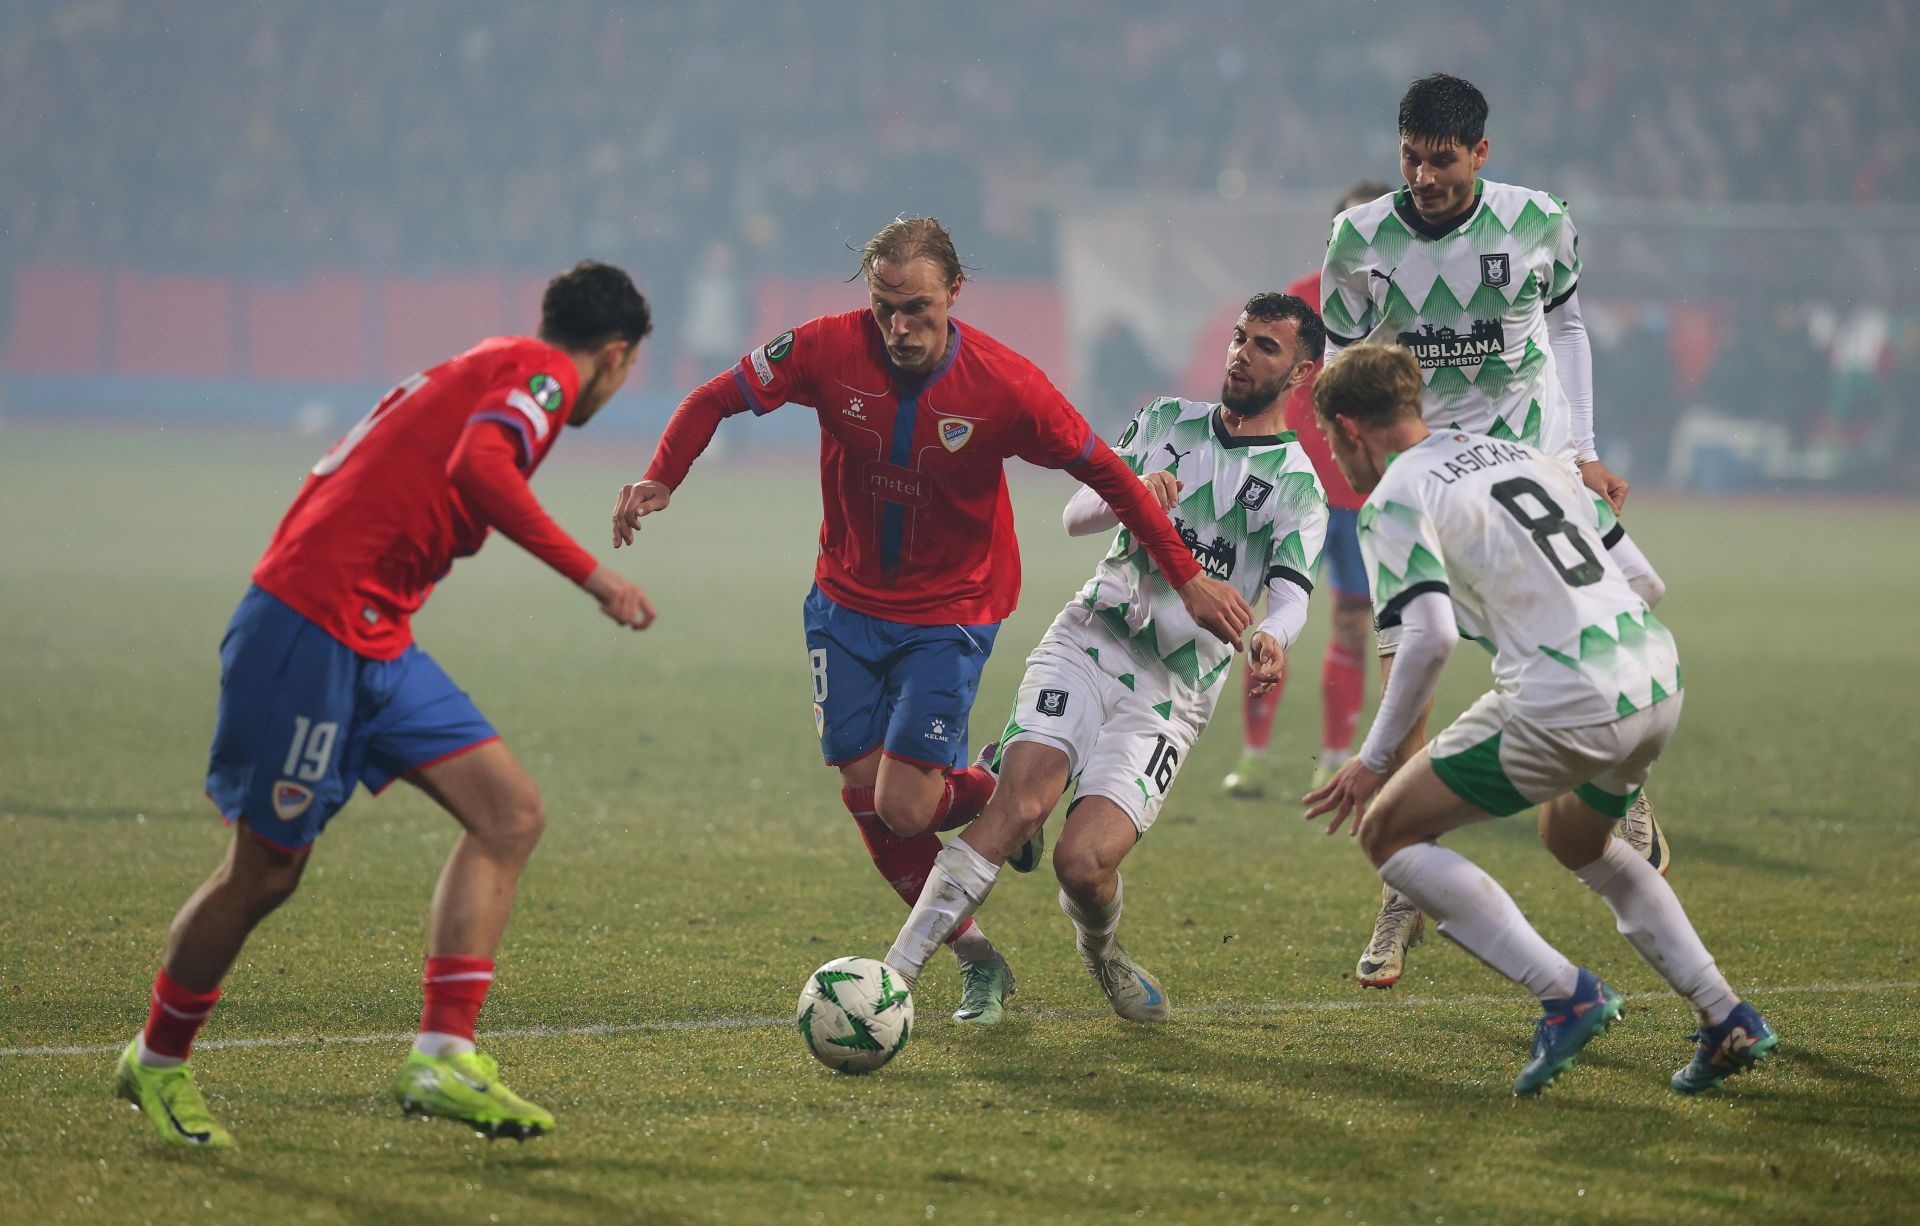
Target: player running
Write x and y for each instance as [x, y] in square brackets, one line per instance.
[322, 688]
[918, 563]
[1124, 681]
[1343, 669]
[1480, 280]
[1488, 539]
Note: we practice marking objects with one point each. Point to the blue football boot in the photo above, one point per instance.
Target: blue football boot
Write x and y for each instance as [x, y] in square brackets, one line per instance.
[1567, 1027]
[1734, 1046]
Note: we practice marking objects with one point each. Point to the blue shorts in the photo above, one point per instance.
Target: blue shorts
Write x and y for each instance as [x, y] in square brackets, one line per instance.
[889, 685]
[1346, 569]
[304, 718]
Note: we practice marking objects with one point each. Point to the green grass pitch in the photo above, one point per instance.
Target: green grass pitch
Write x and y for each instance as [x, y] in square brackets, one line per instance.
[698, 865]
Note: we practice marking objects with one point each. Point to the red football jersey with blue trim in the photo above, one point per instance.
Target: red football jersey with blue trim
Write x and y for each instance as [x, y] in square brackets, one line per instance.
[1298, 417]
[381, 518]
[918, 525]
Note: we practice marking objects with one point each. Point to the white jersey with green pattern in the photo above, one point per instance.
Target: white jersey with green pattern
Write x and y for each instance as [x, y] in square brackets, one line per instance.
[1251, 508]
[1469, 298]
[1503, 531]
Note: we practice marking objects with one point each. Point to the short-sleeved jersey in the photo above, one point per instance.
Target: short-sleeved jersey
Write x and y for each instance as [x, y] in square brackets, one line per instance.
[1299, 417]
[918, 526]
[378, 522]
[1251, 509]
[1470, 299]
[1501, 529]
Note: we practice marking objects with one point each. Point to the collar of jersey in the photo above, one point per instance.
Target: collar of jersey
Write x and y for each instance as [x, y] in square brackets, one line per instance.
[914, 386]
[1232, 441]
[1403, 205]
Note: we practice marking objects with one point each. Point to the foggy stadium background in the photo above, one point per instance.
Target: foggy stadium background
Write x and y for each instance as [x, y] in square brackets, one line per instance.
[265, 213]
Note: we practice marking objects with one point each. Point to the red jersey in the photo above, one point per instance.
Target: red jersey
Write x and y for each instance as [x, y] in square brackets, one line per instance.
[1299, 417]
[443, 458]
[918, 525]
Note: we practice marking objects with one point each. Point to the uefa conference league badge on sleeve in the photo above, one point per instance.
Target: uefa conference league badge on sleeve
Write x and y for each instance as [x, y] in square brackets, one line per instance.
[547, 392]
[766, 355]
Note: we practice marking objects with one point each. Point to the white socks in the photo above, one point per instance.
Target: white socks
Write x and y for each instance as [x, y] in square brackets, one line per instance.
[1095, 928]
[436, 1044]
[1649, 915]
[959, 882]
[1474, 912]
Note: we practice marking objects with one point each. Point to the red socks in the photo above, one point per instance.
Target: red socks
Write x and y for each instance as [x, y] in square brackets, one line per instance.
[966, 794]
[455, 986]
[1257, 711]
[175, 1017]
[1343, 679]
[905, 863]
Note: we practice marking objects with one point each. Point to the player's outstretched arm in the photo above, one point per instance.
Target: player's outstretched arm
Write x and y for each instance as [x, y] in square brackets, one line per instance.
[634, 503]
[1087, 513]
[1427, 638]
[619, 598]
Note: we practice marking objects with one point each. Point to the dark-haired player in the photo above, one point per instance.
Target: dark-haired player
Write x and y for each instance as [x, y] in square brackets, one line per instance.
[1480, 281]
[322, 688]
[1124, 682]
[1343, 670]
[918, 563]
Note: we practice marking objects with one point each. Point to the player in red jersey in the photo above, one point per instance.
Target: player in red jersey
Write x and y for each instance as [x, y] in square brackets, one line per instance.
[1343, 671]
[918, 563]
[322, 688]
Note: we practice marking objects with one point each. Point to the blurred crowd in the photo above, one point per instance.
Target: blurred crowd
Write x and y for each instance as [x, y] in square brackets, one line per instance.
[442, 132]
[707, 143]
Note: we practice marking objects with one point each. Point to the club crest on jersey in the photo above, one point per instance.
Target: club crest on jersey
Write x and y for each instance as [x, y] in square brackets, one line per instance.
[819, 720]
[954, 433]
[547, 392]
[1053, 702]
[291, 799]
[1495, 270]
[1254, 493]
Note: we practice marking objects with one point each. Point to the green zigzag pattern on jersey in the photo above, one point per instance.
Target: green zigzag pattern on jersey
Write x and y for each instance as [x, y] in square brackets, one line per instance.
[1603, 512]
[1422, 567]
[1529, 429]
[1371, 511]
[1495, 375]
[1533, 226]
[1601, 648]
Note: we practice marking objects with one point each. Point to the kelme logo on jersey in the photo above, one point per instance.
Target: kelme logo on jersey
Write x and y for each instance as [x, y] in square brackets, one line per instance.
[954, 433]
[547, 392]
[1254, 493]
[1495, 270]
[290, 800]
[1443, 346]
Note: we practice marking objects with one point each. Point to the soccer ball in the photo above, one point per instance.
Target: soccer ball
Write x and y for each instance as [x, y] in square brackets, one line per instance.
[855, 1014]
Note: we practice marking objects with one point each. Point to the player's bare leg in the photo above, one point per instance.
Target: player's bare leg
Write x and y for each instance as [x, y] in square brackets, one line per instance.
[1098, 835]
[498, 807]
[1398, 926]
[1032, 778]
[206, 936]
[898, 805]
[1471, 909]
[212, 926]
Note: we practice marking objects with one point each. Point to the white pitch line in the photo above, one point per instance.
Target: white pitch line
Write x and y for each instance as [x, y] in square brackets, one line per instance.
[750, 1023]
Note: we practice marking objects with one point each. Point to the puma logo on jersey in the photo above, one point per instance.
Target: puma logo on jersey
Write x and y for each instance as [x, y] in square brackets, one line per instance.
[1386, 276]
[1177, 456]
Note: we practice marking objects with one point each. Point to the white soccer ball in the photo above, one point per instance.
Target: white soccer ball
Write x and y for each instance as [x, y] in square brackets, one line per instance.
[855, 1014]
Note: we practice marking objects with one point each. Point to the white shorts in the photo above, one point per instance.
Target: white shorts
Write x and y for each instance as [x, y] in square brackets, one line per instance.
[1493, 758]
[1125, 728]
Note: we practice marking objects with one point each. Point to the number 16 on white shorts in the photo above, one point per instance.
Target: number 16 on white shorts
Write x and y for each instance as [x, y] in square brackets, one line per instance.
[1124, 734]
